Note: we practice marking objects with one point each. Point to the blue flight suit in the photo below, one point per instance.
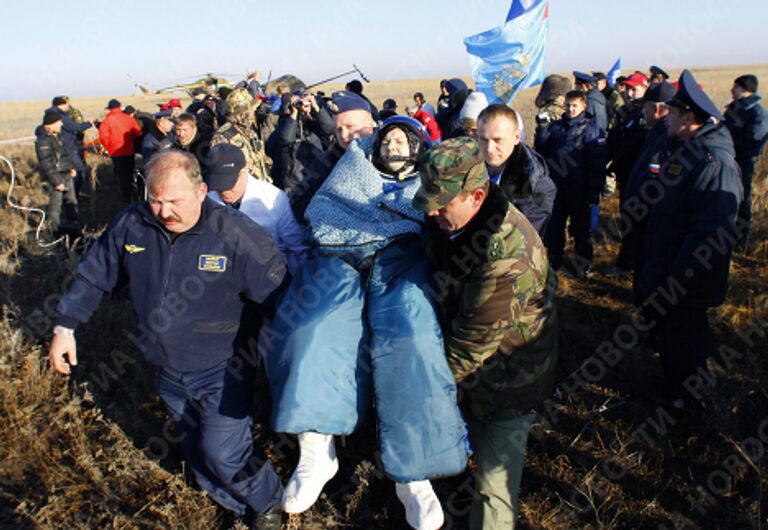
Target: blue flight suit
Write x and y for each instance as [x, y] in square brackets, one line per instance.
[189, 294]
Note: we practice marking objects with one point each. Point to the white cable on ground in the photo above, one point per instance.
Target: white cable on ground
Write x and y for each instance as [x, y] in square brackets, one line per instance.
[64, 238]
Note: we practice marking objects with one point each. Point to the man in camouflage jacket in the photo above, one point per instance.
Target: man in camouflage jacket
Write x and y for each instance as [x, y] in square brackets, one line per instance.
[497, 295]
[239, 131]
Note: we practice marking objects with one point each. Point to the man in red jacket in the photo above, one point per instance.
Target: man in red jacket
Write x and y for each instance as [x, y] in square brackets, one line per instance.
[117, 133]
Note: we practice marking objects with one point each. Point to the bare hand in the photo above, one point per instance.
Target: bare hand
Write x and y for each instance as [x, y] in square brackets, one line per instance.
[72, 172]
[63, 345]
[60, 187]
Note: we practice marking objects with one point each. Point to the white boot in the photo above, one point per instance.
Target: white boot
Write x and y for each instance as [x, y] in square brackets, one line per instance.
[317, 465]
[422, 507]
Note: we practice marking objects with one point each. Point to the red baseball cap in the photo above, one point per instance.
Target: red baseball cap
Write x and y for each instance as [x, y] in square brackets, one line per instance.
[636, 80]
[175, 102]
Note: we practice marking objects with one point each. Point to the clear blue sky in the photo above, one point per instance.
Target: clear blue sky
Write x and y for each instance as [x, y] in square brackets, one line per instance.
[87, 48]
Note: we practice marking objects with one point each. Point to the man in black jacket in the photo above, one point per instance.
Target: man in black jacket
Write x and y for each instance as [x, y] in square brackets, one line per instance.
[519, 170]
[71, 137]
[300, 136]
[189, 139]
[449, 117]
[58, 168]
[575, 151]
[352, 119]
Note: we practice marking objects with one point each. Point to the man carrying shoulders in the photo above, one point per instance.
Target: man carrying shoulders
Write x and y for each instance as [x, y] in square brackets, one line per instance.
[496, 292]
[176, 243]
[352, 119]
[230, 183]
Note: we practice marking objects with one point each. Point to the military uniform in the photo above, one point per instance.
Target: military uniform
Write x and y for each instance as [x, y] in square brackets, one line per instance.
[239, 131]
[689, 239]
[496, 291]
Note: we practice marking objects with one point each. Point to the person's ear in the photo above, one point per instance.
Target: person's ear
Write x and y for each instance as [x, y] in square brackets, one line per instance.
[478, 196]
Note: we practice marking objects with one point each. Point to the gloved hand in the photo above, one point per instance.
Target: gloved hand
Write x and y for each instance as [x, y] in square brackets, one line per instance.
[593, 198]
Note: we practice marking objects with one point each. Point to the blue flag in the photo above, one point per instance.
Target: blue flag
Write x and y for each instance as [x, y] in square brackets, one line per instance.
[519, 7]
[614, 73]
[510, 57]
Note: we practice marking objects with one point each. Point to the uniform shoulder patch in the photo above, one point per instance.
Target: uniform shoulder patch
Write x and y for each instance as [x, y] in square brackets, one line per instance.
[133, 249]
[212, 263]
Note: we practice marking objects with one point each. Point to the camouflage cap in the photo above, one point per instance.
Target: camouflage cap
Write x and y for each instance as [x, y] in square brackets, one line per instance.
[240, 101]
[446, 169]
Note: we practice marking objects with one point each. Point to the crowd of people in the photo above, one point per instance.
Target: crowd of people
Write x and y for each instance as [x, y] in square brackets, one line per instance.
[411, 261]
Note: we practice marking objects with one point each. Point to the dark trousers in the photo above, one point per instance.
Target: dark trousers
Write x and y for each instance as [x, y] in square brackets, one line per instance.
[62, 200]
[123, 167]
[747, 166]
[211, 410]
[80, 168]
[684, 344]
[571, 205]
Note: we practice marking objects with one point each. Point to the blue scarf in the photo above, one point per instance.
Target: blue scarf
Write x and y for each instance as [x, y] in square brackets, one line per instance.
[357, 205]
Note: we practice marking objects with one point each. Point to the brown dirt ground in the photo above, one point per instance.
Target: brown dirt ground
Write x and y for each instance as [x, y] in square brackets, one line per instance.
[83, 453]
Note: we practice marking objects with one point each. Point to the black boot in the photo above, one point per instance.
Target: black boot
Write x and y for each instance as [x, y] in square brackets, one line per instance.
[269, 520]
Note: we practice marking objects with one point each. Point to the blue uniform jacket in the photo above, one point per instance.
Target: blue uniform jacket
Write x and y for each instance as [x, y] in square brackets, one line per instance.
[691, 231]
[576, 154]
[187, 295]
[596, 109]
[747, 121]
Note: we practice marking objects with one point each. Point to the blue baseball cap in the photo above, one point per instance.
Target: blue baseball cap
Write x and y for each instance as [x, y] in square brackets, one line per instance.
[346, 100]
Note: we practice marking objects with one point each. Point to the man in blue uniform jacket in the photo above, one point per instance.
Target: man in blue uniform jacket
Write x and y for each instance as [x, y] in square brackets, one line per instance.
[189, 265]
[747, 120]
[690, 237]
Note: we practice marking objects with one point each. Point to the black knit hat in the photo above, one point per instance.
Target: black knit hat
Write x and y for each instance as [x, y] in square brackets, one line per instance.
[748, 82]
[51, 116]
[59, 100]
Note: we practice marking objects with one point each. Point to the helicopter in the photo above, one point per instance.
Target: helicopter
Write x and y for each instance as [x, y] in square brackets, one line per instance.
[211, 82]
[207, 80]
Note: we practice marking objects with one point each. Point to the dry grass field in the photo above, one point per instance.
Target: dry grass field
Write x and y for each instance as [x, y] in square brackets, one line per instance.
[87, 452]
